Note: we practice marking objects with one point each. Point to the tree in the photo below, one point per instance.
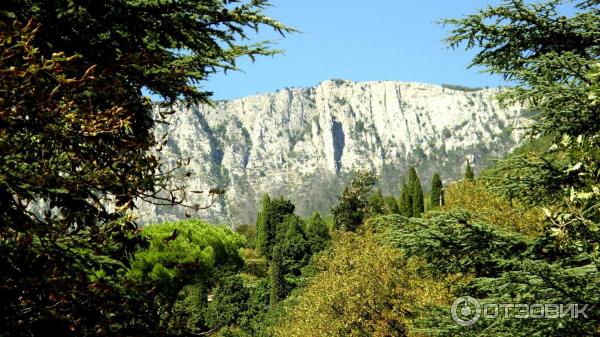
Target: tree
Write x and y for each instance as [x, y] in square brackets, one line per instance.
[262, 231]
[477, 198]
[352, 207]
[417, 197]
[406, 208]
[270, 228]
[277, 281]
[363, 288]
[295, 248]
[391, 205]
[230, 300]
[76, 134]
[49, 152]
[469, 172]
[317, 233]
[437, 191]
[183, 254]
[554, 64]
[376, 203]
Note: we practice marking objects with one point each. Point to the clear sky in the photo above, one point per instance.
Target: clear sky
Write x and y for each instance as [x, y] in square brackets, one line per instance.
[357, 40]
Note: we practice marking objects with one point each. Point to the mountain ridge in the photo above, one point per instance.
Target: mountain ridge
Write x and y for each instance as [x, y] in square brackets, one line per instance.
[304, 143]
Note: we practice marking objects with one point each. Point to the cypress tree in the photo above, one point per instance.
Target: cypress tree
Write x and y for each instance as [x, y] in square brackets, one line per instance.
[469, 172]
[295, 248]
[269, 228]
[277, 277]
[406, 201]
[417, 198]
[437, 196]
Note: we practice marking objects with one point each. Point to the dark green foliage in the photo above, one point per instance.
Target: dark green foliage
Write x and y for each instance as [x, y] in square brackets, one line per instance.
[418, 202]
[136, 43]
[554, 63]
[277, 282]
[75, 128]
[391, 205]
[411, 196]
[455, 243]
[353, 204]
[229, 301]
[61, 269]
[270, 228]
[406, 201]
[539, 48]
[189, 311]
[257, 306]
[469, 175]
[295, 249]
[317, 233]
[183, 259]
[262, 231]
[437, 191]
[460, 87]
[376, 203]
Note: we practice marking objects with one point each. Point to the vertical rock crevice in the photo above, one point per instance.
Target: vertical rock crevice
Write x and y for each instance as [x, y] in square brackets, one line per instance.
[339, 142]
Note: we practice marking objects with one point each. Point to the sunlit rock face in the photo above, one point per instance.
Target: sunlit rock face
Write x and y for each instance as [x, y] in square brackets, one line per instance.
[304, 143]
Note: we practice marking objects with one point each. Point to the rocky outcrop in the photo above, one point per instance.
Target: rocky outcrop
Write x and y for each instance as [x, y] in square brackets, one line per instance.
[304, 143]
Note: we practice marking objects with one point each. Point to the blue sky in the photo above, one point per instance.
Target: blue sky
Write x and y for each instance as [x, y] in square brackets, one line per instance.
[357, 40]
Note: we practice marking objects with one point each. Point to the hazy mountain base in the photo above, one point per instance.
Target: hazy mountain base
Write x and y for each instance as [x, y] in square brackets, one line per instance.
[304, 143]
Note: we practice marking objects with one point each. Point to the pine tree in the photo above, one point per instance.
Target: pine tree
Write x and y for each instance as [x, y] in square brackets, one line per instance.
[417, 198]
[469, 172]
[437, 191]
[277, 277]
[317, 233]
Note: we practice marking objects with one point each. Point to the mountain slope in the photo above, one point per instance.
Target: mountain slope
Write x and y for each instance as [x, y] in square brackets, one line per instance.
[304, 143]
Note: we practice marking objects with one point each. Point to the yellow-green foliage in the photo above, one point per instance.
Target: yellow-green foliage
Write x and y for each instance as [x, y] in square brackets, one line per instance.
[186, 248]
[363, 288]
[475, 197]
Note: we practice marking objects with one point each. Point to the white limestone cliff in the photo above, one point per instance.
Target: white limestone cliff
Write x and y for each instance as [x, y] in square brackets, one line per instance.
[304, 143]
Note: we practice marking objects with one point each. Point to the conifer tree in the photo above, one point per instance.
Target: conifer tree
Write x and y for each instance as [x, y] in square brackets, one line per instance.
[317, 233]
[469, 172]
[376, 203]
[437, 193]
[277, 277]
[552, 58]
[352, 208]
[406, 206]
[270, 229]
[294, 246]
[77, 137]
[417, 198]
[391, 205]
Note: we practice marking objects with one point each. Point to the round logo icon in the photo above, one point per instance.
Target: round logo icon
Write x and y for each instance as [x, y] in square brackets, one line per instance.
[466, 311]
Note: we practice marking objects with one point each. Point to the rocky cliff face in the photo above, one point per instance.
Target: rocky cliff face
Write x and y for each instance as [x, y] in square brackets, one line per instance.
[305, 143]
